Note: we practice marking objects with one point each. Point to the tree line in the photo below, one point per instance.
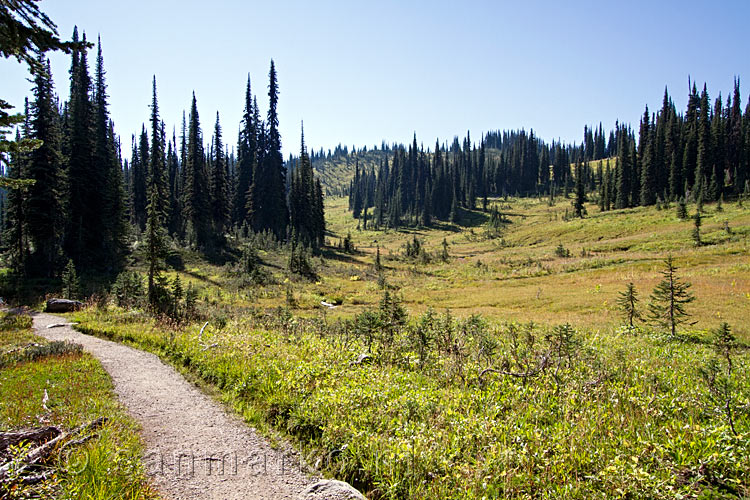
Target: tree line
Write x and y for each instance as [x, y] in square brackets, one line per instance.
[701, 153]
[87, 204]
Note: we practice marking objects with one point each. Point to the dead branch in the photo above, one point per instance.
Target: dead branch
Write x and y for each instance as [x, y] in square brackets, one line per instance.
[43, 451]
[200, 335]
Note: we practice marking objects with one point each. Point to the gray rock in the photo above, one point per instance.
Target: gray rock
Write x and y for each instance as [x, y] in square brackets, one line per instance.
[361, 359]
[63, 305]
[330, 489]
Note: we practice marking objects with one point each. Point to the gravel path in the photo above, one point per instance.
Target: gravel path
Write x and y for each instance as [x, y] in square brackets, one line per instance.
[194, 448]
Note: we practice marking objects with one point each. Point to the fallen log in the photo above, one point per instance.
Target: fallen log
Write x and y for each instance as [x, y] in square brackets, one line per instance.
[21, 464]
[8, 439]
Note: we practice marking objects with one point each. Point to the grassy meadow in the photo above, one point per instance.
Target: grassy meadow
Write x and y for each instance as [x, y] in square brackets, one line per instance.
[79, 391]
[503, 370]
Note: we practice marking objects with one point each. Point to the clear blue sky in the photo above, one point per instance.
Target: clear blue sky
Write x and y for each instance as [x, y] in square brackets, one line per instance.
[358, 73]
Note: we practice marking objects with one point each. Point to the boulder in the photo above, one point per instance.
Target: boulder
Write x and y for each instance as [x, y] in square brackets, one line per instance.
[63, 305]
[330, 489]
[361, 359]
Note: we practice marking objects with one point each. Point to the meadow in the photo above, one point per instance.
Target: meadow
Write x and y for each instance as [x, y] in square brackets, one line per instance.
[502, 369]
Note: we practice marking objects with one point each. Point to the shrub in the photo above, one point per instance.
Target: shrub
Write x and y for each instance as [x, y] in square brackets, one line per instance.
[128, 290]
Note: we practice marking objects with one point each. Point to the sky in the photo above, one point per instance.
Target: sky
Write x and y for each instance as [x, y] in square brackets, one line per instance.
[358, 73]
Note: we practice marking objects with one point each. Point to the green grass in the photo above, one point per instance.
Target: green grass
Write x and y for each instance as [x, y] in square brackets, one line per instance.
[629, 415]
[107, 467]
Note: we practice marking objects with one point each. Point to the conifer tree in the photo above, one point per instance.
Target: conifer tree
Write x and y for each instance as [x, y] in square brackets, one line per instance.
[196, 194]
[628, 303]
[155, 250]
[140, 174]
[157, 178]
[105, 158]
[668, 300]
[247, 151]
[648, 171]
[267, 201]
[86, 180]
[697, 229]
[580, 199]
[14, 235]
[219, 187]
[43, 213]
[623, 172]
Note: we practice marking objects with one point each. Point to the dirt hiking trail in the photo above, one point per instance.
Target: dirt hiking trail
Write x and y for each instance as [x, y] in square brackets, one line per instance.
[194, 449]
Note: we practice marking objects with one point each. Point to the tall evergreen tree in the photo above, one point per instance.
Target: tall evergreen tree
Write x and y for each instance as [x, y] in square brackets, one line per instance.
[267, 201]
[247, 151]
[113, 216]
[196, 194]
[86, 179]
[157, 178]
[44, 215]
[219, 187]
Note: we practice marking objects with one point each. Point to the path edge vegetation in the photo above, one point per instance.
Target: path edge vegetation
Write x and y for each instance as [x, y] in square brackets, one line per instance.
[58, 384]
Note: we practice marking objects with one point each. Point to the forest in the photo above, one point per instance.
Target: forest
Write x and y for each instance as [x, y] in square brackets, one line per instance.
[87, 205]
[702, 153]
[496, 316]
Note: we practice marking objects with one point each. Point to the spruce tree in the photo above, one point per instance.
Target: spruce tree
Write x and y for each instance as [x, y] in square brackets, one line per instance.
[86, 180]
[579, 202]
[623, 167]
[196, 192]
[14, 235]
[628, 303]
[113, 216]
[219, 187]
[268, 194]
[247, 151]
[697, 229]
[44, 215]
[157, 178]
[155, 250]
[648, 172]
[668, 300]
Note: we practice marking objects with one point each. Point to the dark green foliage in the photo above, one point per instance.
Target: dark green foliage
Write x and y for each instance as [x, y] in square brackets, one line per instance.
[44, 209]
[157, 170]
[378, 265]
[413, 248]
[114, 224]
[697, 229]
[668, 300]
[127, 289]
[580, 199]
[722, 385]
[306, 215]
[348, 244]
[71, 286]
[299, 261]
[247, 151]
[28, 31]
[219, 187]
[627, 301]
[156, 251]
[444, 256]
[561, 251]
[682, 211]
[196, 200]
[266, 201]
[674, 156]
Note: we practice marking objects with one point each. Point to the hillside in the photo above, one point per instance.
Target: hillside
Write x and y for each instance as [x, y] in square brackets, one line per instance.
[336, 171]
